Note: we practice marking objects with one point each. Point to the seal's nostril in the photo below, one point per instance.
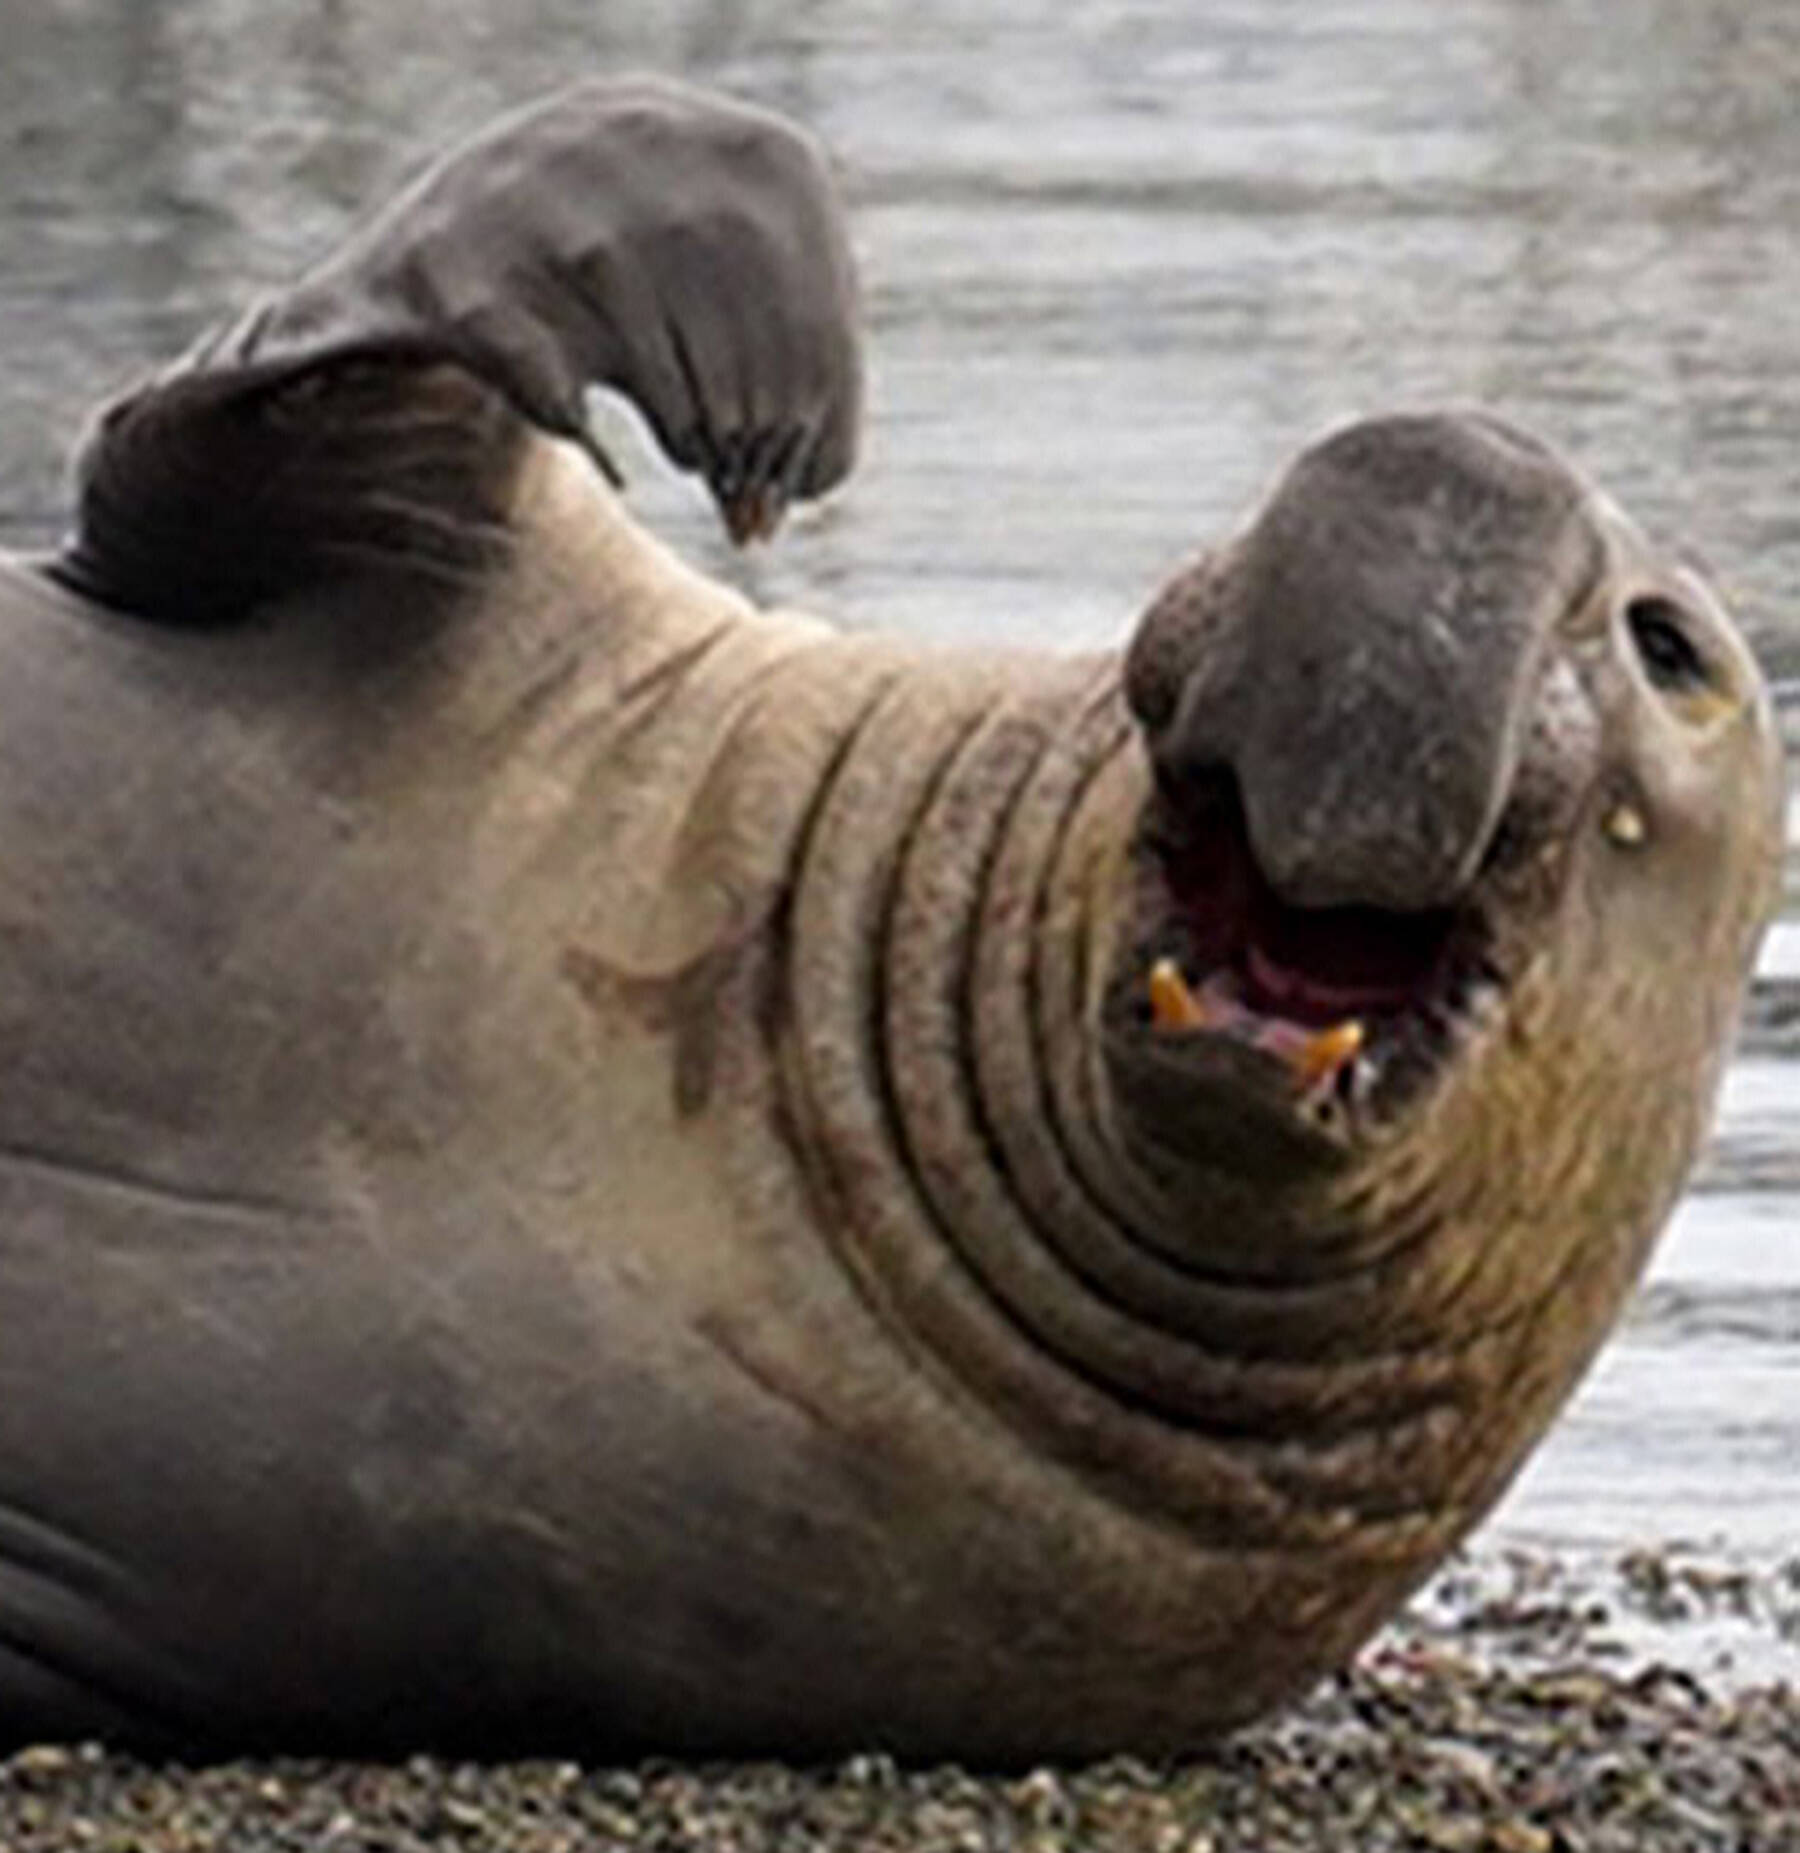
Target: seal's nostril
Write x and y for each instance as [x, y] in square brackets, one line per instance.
[1154, 700]
[1176, 633]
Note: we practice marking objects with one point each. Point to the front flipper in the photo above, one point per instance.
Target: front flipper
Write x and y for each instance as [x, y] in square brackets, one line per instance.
[686, 250]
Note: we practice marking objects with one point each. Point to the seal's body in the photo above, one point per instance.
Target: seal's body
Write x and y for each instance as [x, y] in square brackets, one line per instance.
[583, 1167]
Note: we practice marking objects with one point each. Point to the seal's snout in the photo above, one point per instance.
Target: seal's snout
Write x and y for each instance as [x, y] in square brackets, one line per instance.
[1363, 658]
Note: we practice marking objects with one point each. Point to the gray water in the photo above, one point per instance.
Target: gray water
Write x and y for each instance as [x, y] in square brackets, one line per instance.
[1121, 260]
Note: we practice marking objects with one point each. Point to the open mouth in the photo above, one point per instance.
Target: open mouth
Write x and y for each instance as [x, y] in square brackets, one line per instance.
[1353, 1003]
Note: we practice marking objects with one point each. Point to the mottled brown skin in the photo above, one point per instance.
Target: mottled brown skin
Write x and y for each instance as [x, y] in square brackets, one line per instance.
[586, 1168]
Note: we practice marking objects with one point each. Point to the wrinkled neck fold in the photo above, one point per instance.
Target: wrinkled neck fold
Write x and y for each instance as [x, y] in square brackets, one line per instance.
[952, 912]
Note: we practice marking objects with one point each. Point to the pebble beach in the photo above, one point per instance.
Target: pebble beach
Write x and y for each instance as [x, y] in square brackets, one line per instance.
[1524, 1705]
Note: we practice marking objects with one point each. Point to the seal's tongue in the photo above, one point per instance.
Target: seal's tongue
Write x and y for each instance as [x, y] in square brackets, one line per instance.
[1364, 656]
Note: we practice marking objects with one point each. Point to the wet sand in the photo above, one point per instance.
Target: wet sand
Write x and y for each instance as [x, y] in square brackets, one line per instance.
[1525, 1705]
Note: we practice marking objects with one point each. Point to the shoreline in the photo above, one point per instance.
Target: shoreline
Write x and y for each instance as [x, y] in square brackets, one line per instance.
[1528, 1702]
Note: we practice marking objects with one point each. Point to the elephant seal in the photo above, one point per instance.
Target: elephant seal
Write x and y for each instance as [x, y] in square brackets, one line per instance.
[586, 1168]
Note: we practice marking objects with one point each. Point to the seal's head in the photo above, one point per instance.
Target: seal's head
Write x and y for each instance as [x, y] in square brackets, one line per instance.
[1465, 825]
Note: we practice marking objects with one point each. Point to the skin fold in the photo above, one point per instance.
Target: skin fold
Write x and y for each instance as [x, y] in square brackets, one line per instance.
[587, 1168]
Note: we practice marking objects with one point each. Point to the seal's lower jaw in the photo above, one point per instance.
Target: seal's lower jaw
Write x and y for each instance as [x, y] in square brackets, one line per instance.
[1335, 1019]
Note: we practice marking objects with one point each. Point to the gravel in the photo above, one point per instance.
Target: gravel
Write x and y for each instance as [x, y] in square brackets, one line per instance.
[1526, 1705]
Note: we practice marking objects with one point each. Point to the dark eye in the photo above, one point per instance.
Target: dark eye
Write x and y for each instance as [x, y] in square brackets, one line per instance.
[1670, 658]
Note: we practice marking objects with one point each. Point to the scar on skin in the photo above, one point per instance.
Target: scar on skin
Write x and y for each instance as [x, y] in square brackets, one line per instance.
[683, 1005]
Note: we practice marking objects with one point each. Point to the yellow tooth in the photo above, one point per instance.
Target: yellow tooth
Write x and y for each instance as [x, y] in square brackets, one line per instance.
[1172, 1004]
[1321, 1056]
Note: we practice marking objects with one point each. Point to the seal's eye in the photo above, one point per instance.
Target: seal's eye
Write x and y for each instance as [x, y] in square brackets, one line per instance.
[1670, 657]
